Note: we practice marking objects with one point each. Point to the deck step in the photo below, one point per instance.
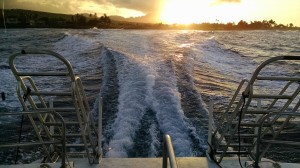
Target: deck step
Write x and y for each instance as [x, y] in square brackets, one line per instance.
[75, 145]
[246, 124]
[51, 93]
[265, 96]
[242, 135]
[294, 143]
[70, 109]
[67, 135]
[277, 78]
[261, 111]
[233, 152]
[58, 124]
[237, 144]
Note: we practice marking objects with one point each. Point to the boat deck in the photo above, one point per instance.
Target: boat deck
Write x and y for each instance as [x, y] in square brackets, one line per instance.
[183, 162]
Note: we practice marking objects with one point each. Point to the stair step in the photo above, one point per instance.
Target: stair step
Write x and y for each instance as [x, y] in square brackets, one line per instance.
[252, 124]
[68, 109]
[67, 135]
[277, 78]
[45, 93]
[265, 96]
[43, 73]
[59, 124]
[294, 143]
[261, 111]
[237, 144]
[242, 135]
[75, 145]
[233, 152]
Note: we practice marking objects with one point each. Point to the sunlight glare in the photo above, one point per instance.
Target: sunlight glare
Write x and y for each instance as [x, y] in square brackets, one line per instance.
[184, 11]
[199, 11]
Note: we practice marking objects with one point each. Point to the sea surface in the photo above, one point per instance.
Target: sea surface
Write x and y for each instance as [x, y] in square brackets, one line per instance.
[152, 82]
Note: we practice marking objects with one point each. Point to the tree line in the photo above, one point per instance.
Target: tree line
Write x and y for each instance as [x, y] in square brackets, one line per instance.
[18, 18]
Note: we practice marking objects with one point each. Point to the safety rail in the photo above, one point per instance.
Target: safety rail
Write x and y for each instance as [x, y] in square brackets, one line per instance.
[275, 133]
[169, 153]
[238, 132]
[37, 86]
[40, 141]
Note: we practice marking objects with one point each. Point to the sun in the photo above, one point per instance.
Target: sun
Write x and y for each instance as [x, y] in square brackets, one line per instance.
[184, 11]
[199, 11]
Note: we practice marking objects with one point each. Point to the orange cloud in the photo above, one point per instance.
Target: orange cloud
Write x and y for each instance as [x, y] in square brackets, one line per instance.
[234, 1]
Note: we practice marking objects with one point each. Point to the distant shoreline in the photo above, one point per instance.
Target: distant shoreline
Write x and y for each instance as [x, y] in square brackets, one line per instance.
[19, 18]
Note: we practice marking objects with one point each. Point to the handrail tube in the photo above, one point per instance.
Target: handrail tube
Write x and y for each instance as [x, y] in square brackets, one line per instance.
[35, 53]
[85, 120]
[169, 153]
[259, 138]
[100, 127]
[63, 133]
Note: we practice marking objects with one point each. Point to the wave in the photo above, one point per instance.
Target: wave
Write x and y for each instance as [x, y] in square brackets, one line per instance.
[148, 106]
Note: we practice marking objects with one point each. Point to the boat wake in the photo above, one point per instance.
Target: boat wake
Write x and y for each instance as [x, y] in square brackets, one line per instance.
[149, 104]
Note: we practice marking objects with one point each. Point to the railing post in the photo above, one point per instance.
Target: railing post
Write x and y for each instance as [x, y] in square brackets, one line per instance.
[168, 153]
[258, 116]
[210, 122]
[100, 127]
[165, 156]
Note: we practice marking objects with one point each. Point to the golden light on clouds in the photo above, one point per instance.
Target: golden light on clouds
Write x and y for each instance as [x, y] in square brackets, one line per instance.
[108, 8]
[173, 11]
[198, 11]
[183, 12]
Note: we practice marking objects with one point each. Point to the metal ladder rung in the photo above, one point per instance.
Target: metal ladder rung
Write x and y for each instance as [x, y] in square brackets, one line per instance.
[242, 135]
[236, 145]
[58, 124]
[233, 152]
[68, 135]
[252, 124]
[76, 154]
[265, 96]
[77, 145]
[260, 111]
[30, 144]
[58, 109]
[281, 142]
[277, 78]
[51, 93]
[43, 73]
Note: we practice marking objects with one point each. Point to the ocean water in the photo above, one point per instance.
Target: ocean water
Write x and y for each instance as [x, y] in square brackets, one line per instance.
[152, 82]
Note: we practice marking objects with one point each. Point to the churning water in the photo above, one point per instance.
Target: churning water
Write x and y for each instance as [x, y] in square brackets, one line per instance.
[152, 82]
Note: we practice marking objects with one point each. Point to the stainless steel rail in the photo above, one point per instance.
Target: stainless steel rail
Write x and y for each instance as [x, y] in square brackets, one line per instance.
[80, 126]
[169, 153]
[243, 114]
[287, 116]
[61, 141]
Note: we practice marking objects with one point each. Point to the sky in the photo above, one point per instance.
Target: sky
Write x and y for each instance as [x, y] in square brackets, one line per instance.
[173, 11]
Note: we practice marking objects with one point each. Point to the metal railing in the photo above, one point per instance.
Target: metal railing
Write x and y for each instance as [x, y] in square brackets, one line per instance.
[237, 134]
[168, 153]
[68, 93]
[275, 133]
[42, 142]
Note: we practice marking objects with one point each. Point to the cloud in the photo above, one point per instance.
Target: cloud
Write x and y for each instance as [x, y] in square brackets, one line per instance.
[121, 7]
[230, 1]
[126, 8]
[218, 2]
[145, 6]
[55, 6]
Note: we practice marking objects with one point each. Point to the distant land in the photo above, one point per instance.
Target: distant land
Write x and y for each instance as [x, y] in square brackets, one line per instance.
[19, 18]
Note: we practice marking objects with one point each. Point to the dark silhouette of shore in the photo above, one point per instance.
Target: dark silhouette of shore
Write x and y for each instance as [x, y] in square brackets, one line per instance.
[19, 18]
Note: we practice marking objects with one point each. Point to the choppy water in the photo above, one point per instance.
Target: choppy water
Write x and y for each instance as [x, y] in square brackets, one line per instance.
[152, 81]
